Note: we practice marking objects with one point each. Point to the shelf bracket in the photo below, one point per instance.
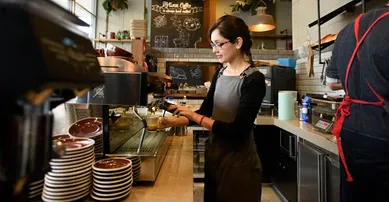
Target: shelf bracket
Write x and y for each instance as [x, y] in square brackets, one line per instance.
[319, 30]
[331, 15]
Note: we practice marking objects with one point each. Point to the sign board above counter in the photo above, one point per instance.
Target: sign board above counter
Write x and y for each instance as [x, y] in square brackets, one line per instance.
[176, 24]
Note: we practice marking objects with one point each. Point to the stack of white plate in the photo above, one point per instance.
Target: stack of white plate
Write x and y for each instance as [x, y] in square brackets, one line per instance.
[138, 29]
[136, 167]
[89, 128]
[35, 189]
[70, 177]
[112, 179]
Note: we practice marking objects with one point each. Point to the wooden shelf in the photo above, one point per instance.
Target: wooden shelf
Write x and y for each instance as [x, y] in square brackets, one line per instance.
[115, 40]
[255, 35]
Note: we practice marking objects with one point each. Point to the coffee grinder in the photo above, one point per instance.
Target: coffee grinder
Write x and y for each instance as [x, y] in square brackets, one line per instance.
[45, 60]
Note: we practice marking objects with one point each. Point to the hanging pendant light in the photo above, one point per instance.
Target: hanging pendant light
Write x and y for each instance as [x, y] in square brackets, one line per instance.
[262, 22]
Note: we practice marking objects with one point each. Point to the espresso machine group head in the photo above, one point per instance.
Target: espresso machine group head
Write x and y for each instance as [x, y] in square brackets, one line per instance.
[45, 60]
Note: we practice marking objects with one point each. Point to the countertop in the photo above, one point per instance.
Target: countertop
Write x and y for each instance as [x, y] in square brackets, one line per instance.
[175, 179]
[303, 130]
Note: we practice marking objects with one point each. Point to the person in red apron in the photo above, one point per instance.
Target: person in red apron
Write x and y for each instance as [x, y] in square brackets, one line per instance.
[360, 60]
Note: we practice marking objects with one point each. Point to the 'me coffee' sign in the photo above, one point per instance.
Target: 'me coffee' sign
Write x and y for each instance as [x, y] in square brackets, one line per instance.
[176, 24]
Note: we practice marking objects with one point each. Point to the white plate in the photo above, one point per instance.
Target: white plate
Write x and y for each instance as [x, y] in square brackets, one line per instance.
[98, 177]
[136, 177]
[88, 164]
[67, 182]
[79, 172]
[136, 166]
[36, 182]
[112, 181]
[109, 199]
[68, 178]
[37, 186]
[71, 184]
[72, 161]
[76, 164]
[35, 191]
[74, 157]
[112, 173]
[76, 143]
[112, 161]
[113, 190]
[68, 153]
[31, 196]
[75, 198]
[112, 186]
[66, 191]
[98, 194]
[136, 170]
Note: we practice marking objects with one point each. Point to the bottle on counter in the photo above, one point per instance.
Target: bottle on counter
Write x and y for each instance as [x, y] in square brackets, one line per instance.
[304, 109]
[184, 101]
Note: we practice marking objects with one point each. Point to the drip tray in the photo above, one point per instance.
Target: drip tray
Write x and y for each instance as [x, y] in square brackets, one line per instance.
[153, 152]
[134, 150]
[151, 143]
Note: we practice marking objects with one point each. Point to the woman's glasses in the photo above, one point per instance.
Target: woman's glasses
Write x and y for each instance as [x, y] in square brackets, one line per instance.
[218, 45]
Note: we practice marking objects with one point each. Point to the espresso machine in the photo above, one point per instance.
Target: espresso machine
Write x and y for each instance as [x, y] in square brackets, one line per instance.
[46, 60]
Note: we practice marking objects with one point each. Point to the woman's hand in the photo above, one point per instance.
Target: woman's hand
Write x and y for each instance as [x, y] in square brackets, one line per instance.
[184, 111]
[164, 123]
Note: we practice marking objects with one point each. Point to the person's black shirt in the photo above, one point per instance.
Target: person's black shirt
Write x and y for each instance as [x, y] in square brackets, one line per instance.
[371, 65]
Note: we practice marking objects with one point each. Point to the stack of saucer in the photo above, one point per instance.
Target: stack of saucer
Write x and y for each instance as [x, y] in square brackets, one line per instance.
[112, 179]
[89, 128]
[70, 177]
[35, 189]
[138, 29]
[136, 166]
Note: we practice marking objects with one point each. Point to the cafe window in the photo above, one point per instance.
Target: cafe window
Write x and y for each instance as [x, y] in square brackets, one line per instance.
[84, 10]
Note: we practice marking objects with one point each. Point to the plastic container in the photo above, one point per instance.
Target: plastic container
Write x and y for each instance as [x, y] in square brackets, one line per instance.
[286, 105]
[289, 62]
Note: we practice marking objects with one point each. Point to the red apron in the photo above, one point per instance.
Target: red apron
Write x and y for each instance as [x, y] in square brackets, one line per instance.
[344, 109]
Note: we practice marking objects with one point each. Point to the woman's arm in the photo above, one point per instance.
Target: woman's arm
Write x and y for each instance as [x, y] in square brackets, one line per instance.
[253, 91]
[205, 110]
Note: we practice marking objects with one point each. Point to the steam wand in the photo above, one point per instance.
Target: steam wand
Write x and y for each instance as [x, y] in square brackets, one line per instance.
[144, 123]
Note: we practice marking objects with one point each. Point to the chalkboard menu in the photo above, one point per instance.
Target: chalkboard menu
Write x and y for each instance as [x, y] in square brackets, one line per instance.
[176, 24]
[192, 73]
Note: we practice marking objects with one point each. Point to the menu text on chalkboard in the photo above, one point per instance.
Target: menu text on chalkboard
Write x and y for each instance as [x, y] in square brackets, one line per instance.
[176, 24]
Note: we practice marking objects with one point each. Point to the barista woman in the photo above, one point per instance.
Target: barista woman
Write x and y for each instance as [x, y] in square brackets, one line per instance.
[232, 166]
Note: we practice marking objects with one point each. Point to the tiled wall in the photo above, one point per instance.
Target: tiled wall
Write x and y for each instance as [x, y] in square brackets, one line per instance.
[206, 55]
[312, 84]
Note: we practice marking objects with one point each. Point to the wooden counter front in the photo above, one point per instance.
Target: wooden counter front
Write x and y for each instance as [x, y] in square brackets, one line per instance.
[175, 179]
